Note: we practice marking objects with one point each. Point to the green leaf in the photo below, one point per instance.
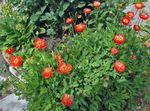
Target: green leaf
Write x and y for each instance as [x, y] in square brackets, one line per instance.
[61, 13]
[81, 4]
[51, 32]
[71, 1]
[42, 30]
[65, 6]
[62, 10]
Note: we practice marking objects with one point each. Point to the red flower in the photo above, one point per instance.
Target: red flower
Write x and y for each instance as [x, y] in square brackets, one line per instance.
[119, 66]
[125, 20]
[67, 100]
[58, 58]
[119, 39]
[114, 51]
[64, 68]
[96, 4]
[144, 16]
[47, 72]
[139, 5]
[69, 20]
[136, 27]
[87, 10]
[130, 14]
[80, 27]
[40, 43]
[9, 50]
[15, 61]
[65, 29]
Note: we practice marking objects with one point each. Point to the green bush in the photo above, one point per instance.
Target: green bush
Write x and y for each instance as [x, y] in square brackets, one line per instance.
[52, 14]
[49, 16]
[23, 20]
[95, 84]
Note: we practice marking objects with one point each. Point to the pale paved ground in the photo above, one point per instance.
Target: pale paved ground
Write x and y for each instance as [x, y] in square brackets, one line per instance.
[11, 103]
[131, 7]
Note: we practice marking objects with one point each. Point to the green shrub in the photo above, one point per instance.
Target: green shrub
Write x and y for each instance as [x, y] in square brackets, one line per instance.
[21, 21]
[26, 19]
[49, 16]
[95, 84]
[53, 14]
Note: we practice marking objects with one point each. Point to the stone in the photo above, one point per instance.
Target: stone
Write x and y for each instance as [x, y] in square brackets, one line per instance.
[131, 7]
[11, 103]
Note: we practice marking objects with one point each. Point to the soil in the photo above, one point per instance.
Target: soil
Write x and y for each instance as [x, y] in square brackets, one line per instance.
[146, 108]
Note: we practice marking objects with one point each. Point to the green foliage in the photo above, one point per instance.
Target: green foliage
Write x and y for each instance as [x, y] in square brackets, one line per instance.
[92, 64]
[14, 36]
[146, 27]
[92, 54]
[54, 13]
[94, 83]
[16, 30]
[110, 12]
[53, 16]
[26, 18]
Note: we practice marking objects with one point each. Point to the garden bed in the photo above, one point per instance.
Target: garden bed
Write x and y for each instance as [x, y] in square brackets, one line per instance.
[76, 55]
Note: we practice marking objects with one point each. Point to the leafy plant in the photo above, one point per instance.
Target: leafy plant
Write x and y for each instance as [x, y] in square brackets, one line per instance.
[80, 73]
[54, 14]
[93, 82]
